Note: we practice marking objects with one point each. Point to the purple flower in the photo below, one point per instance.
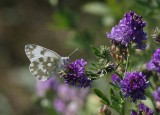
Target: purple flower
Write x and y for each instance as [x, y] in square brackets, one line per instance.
[115, 78]
[129, 29]
[70, 99]
[43, 86]
[134, 112]
[154, 63]
[143, 110]
[75, 74]
[59, 105]
[156, 94]
[134, 85]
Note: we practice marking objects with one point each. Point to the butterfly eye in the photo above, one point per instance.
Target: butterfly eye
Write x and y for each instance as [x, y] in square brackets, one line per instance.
[65, 60]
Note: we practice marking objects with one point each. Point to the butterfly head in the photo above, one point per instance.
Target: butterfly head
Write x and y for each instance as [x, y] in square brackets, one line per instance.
[65, 60]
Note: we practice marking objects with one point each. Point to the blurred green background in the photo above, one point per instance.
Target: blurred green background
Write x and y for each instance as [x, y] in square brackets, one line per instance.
[62, 26]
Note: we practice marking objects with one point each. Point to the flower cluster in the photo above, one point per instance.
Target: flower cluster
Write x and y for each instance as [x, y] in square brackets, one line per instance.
[143, 109]
[113, 59]
[75, 74]
[129, 29]
[115, 78]
[154, 63]
[66, 98]
[156, 95]
[43, 86]
[134, 85]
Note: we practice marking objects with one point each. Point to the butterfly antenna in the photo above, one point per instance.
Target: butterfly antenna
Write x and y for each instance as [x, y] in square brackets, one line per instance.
[73, 52]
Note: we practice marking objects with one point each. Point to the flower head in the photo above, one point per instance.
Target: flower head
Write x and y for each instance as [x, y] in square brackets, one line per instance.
[43, 86]
[154, 63]
[134, 85]
[133, 112]
[115, 78]
[75, 74]
[156, 94]
[129, 29]
[143, 110]
[59, 105]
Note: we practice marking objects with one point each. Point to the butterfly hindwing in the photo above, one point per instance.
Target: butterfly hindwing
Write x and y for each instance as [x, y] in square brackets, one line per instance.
[45, 67]
[34, 52]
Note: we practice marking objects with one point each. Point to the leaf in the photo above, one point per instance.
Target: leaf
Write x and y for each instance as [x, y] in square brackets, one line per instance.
[111, 92]
[121, 95]
[114, 85]
[101, 95]
[94, 78]
[115, 106]
[95, 51]
[51, 111]
[95, 65]
[103, 102]
[113, 98]
[53, 2]
[96, 8]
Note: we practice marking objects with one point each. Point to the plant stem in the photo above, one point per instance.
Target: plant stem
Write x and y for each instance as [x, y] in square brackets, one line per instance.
[123, 109]
[126, 67]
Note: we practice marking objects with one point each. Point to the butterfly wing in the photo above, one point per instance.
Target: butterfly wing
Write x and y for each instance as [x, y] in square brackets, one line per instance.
[34, 52]
[45, 63]
[45, 67]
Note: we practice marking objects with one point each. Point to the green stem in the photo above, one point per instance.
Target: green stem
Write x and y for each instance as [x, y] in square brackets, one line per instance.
[123, 109]
[126, 67]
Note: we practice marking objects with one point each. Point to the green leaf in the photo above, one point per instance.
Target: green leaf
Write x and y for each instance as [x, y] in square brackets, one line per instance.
[115, 86]
[95, 65]
[111, 92]
[96, 8]
[116, 106]
[103, 102]
[121, 95]
[53, 2]
[51, 111]
[113, 98]
[101, 95]
[95, 51]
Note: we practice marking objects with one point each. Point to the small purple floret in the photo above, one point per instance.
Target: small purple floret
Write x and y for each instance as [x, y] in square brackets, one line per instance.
[76, 76]
[134, 85]
[129, 29]
[143, 110]
[115, 78]
[43, 86]
[154, 63]
[156, 94]
[134, 112]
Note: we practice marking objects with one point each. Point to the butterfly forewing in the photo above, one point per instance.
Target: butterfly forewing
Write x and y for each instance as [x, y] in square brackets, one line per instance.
[45, 67]
[34, 52]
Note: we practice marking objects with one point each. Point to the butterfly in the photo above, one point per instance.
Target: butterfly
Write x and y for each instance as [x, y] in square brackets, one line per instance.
[45, 63]
[156, 35]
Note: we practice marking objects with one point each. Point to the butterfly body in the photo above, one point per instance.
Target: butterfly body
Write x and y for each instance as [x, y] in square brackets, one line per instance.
[45, 63]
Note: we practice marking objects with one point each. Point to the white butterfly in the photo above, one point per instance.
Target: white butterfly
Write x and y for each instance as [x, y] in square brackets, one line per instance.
[45, 63]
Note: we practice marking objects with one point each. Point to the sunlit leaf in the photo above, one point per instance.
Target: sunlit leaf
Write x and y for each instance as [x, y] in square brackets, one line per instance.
[102, 96]
[96, 8]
